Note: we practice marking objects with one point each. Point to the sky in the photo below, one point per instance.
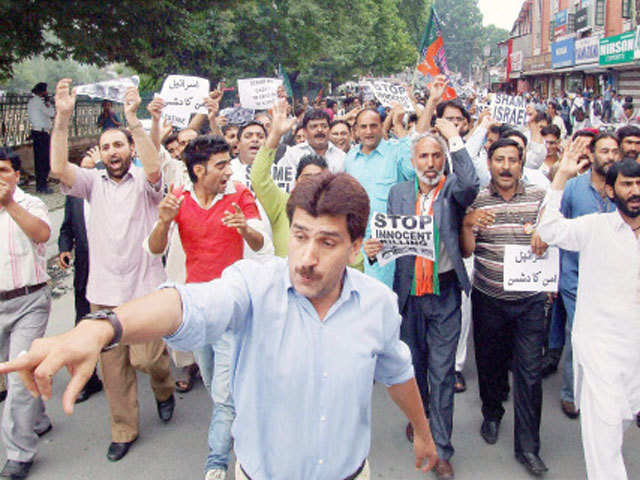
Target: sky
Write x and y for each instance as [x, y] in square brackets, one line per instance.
[501, 13]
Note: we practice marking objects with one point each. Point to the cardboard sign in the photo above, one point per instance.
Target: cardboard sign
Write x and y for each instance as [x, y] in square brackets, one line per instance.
[526, 272]
[388, 92]
[258, 93]
[284, 176]
[113, 90]
[183, 96]
[403, 235]
[509, 109]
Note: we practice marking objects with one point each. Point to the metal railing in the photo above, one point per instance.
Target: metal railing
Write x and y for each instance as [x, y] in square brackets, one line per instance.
[15, 128]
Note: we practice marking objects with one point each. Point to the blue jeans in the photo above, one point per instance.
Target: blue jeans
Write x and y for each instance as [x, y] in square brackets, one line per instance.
[215, 367]
[558, 324]
[569, 302]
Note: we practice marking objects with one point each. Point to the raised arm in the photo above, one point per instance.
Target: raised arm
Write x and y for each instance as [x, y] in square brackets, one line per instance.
[65, 103]
[155, 109]
[212, 102]
[435, 95]
[144, 146]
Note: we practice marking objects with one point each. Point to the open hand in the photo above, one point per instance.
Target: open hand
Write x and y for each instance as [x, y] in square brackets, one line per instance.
[65, 98]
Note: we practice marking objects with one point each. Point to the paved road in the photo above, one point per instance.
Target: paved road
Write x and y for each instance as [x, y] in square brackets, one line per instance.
[76, 447]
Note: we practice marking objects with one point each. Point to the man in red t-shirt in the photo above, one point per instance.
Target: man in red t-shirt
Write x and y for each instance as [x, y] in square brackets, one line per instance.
[215, 218]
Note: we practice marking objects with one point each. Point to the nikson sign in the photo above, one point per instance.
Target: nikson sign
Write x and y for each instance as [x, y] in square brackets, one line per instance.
[617, 49]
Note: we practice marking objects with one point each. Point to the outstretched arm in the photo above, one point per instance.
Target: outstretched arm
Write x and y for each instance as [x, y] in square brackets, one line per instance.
[65, 103]
[144, 146]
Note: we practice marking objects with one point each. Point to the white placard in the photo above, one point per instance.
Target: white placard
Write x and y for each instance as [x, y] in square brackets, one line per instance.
[284, 176]
[183, 96]
[525, 272]
[509, 109]
[113, 90]
[403, 235]
[389, 92]
[258, 93]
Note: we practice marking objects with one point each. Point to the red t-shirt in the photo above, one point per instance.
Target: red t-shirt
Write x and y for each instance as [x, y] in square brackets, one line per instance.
[209, 245]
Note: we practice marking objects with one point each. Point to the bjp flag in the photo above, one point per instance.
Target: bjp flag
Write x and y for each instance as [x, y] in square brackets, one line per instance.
[433, 60]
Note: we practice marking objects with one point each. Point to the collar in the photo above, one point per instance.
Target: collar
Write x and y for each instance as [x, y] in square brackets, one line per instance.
[229, 189]
[308, 148]
[618, 222]
[360, 152]
[494, 191]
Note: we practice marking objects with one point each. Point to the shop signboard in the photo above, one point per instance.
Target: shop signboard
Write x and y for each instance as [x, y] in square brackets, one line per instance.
[516, 61]
[587, 50]
[636, 45]
[563, 53]
[582, 19]
[617, 49]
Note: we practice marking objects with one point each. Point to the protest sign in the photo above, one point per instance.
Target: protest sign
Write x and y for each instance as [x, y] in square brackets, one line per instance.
[526, 272]
[403, 235]
[509, 109]
[113, 90]
[258, 93]
[183, 96]
[388, 92]
[284, 176]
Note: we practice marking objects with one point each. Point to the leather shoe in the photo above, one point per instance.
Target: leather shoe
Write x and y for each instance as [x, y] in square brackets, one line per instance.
[117, 450]
[15, 469]
[638, 419]
[569, 409]
[43, 432]
[409, 432]
[165, 408]
[89, 389]
[532, 462]
[3, 396]
[460, 385]
[443, 470]
[489, 431]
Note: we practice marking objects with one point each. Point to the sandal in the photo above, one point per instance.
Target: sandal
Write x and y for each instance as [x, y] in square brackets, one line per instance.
[183, 386]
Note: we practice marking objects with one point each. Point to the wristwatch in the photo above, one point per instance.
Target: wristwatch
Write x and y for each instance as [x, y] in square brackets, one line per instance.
[111, 317]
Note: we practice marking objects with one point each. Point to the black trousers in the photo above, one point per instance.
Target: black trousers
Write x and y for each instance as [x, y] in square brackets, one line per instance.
[511, 331]
[41, 147]
[80, 277]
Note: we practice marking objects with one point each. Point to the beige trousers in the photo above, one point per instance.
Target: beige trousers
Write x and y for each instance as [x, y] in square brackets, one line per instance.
[118, 371]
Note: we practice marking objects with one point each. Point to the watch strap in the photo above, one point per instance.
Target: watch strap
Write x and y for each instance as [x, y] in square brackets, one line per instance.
[111, 317]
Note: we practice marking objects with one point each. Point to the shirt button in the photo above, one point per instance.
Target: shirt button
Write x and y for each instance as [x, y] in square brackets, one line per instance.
[320, 462]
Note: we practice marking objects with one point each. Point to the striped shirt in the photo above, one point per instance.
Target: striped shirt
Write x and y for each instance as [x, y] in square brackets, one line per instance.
[22, 261]
[515, 221]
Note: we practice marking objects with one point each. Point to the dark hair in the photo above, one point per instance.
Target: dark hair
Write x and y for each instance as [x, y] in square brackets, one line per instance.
[497, 129]
[554, 104]
[600, 136]
[248, 124]
[125, 131]
[551, 130]
[199, 150]
[310, 159]
[413, 117]
[331, 103]
[453, 104]
[228, 127]
[627, 131]
[332, 194]
[541, 117]
[512, 132]
[337, 122]
[627, 106]
[315, 114]
[585, 132]
[173, 137]
[6, 154]
[299, 110]
[368, 109]
[504, 142]
[627, 167]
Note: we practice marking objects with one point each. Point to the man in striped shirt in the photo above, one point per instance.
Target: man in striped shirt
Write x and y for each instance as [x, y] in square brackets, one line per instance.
[508, 326]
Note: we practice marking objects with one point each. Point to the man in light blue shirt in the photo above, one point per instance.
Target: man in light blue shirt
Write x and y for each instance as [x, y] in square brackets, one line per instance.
[313, 335]
[378, 165]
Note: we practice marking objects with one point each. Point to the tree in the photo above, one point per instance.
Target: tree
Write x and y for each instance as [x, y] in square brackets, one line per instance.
[213, 39]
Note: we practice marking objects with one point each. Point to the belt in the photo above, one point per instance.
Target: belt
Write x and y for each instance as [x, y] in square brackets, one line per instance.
[19, 292]
[448, 276]
[353, 476]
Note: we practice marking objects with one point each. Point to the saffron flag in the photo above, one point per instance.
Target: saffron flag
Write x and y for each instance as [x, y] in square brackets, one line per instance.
[433, 60]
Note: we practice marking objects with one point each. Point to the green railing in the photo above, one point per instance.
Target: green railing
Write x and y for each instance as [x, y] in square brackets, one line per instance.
[15, 129]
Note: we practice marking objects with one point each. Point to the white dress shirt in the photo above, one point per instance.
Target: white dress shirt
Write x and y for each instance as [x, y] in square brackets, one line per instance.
[334, 156]
[22, 261]
[606, 325]
[40, 115]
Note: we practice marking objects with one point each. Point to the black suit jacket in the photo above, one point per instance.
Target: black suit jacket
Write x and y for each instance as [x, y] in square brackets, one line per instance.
[73, 231]
[458, 192]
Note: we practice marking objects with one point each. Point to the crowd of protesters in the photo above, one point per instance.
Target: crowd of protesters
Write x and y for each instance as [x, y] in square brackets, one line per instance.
[187, 249]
